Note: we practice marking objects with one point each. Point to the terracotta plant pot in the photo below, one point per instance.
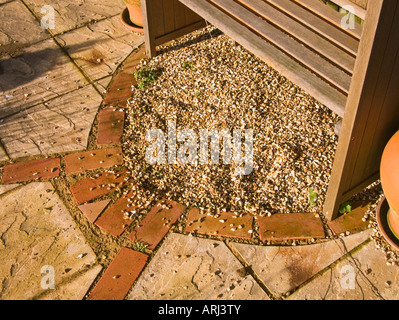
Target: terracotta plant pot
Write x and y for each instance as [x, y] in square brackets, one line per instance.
[134, 7]
[390, 181]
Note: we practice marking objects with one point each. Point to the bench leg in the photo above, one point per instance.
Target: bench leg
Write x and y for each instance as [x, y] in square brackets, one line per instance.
[149, 36]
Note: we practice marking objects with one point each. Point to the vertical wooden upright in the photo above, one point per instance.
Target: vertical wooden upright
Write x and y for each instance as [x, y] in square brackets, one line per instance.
[166, 20]
[372, 110]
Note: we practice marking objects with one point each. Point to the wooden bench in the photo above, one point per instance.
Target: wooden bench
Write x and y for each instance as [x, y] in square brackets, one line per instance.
[305, 41]
[302, 39]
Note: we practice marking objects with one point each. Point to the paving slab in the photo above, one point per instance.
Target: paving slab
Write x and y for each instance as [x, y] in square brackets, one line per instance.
[364, 276]
[18, 26]
[71, 15]
[41, 72]
[101, 47]
[189, 268]
[102, 85]
[57, 126]
[37, 231]
[3, 155]
[284, 268]
[7, 187]
[76, 287]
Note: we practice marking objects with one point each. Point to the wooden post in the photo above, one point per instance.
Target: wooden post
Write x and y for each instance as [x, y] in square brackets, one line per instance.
[149, 32]
[372, 110]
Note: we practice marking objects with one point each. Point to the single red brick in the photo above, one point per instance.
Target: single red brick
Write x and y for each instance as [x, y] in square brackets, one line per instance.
[228, 224]
[351, 222]
[119, 276]
[31, 170]
[110, 126]
[133, 60]
[93, 210]
[120, 90]
[114, 220]
[95, 159]
[94, 187]
[157, 223]
[292, 226]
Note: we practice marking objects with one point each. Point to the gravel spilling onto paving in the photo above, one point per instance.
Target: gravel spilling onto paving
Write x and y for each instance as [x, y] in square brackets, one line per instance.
[209, 82]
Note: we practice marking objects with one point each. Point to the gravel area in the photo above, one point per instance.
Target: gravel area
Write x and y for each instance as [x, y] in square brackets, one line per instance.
[207, 81]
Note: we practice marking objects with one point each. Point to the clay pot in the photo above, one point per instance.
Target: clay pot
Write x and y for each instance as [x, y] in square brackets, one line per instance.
[134, 7]
[390, 181]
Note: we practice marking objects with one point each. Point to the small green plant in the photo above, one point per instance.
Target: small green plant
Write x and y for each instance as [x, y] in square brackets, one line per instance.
[346, 207]
[140, 246]
[188, 65]
[312, 197]
[145, 76]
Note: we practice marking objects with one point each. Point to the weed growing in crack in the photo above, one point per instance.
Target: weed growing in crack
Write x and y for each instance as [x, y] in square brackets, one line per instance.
[346, 207]
[145, 76]
[140, 246]
[312, 197]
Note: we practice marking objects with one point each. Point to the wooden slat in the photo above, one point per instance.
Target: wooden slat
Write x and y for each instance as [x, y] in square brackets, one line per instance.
[158, 17]
[301, 33]
[169, 18]
[289, 45]
[334, 17]
[180, 32]
[318, 25]
[180, 15]
[271, 55]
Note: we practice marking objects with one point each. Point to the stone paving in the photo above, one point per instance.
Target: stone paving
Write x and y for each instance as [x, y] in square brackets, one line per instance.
[65, 193]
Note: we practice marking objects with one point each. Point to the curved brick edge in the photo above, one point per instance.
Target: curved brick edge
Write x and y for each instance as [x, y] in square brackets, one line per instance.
[90, 195]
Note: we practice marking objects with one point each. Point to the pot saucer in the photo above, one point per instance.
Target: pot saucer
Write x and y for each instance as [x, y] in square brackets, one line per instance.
[383, 224]
[128, 24]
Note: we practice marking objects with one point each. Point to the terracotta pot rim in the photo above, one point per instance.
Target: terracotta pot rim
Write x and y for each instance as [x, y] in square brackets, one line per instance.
[382, 221]
[128, 24]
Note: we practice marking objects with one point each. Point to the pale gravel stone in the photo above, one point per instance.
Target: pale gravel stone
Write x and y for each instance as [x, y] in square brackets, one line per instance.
[101, 47]
[37, 230]
[371, 278]
[42, 72]
[18, 26]
[284, 268]
[60, 125]
[73, 14]
[188, 268]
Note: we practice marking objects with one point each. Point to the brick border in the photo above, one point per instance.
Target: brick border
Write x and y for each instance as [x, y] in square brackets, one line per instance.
[155, 225]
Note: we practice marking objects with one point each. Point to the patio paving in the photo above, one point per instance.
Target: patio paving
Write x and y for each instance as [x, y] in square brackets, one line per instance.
[67, 202]
[37, 231]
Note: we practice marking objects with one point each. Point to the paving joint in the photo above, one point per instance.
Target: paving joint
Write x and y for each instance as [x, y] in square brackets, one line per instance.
[248, 268]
